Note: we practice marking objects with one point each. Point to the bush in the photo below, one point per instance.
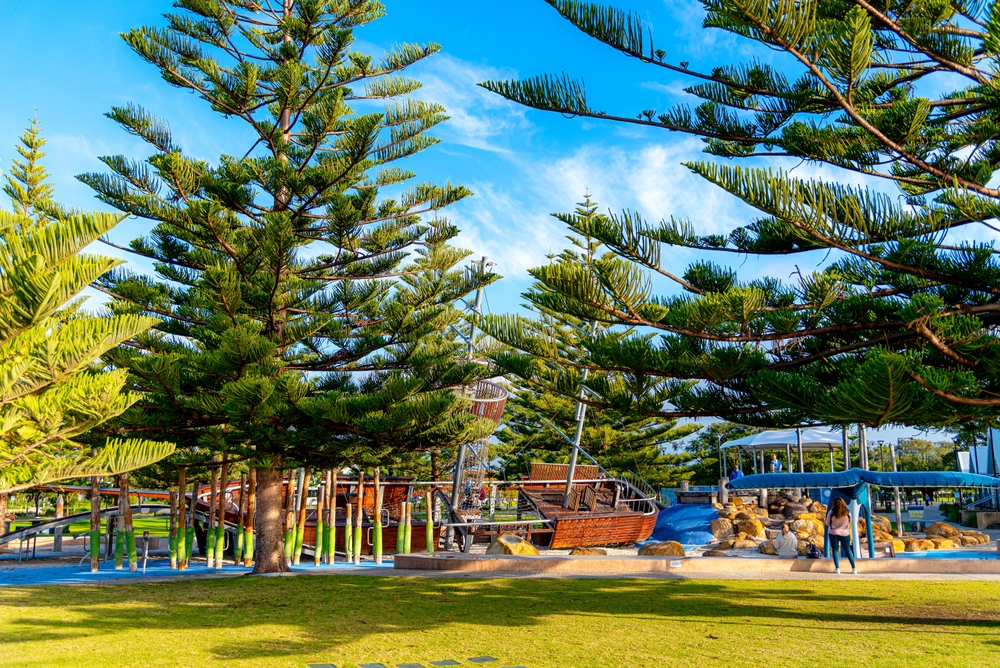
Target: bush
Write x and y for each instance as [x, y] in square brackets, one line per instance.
[972, 521]
[952, 511]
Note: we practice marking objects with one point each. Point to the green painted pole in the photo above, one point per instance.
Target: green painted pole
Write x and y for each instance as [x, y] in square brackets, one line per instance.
[181, 540]
[251, 511]
[241, 523]
[301, 508]
[377, 521]
[401, 529]
[133, 558]
[430, 522]
[331, 537]
[320, 509]
[359, 518]
[290, 520]
[119, 531]
[408, 529]
[220, 522]
[173, 531]
[190, 543]
[95, 524]
[348, 532]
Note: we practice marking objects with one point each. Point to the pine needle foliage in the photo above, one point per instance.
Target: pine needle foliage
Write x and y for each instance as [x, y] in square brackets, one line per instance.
[898, 325]
[305, 285]
[53, 388]
[538, 422]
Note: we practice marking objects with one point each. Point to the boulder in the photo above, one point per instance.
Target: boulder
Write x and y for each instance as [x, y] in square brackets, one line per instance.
[942, 543]
[968, 540]
[752, 528]
[898, 545]
[715, 553]
[882, 523]
[760, 512]
[667, 548]
[726, 545]
[588, 552]
[913, 545]
[737, 501]
[927, 545]
[807, 516]
[745, 544]
[727, 514]
[721, 527]
[803, 548]
[744, 515]
[508, 543]
[816, 540]
[771, 534]
[941, 529]
[793, 509]
[717, 506]
[768, 547]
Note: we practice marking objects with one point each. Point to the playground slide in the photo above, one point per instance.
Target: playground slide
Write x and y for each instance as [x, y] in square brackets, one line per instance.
[688, 524]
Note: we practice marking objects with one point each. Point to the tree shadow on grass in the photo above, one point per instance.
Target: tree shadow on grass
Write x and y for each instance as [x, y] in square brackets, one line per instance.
[261, 618]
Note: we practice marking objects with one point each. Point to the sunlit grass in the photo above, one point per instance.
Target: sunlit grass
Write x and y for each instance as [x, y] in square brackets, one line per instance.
[532, 622]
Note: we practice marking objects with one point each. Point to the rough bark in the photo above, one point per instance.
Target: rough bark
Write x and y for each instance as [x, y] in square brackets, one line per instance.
[3, 514]
[269, 555]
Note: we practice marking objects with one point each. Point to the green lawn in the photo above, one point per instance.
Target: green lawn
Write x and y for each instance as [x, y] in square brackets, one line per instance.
[156, 526]
[536, 623]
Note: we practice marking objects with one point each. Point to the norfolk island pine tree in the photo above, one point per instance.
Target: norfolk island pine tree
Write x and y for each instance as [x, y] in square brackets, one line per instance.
[899, 327]
[53, 385]
[303, 315]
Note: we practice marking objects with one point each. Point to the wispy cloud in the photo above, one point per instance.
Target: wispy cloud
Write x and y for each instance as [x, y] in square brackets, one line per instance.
[479, 119]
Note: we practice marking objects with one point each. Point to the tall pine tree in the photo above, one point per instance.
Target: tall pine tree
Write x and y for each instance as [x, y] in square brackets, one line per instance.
[53, 386]
[540, 424]
[899, 325]
[303, 290]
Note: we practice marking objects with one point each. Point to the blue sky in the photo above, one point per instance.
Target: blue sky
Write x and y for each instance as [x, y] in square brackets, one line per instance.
[67, 61]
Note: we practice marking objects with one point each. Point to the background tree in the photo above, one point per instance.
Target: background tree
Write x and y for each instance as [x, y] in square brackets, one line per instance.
[918, 454]
[53, 388]
[898, 324]
[302, 296]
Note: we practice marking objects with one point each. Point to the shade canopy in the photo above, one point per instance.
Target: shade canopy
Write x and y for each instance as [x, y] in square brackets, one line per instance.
[857, 476]
[778, 439]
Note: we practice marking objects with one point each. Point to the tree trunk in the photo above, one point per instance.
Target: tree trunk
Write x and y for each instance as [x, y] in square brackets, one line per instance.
[269, 555]
[3, 513]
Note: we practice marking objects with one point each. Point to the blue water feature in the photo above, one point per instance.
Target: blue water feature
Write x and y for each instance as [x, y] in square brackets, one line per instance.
[687, 523]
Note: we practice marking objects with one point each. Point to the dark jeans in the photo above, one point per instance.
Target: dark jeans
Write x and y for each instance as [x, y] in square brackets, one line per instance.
[838, 542]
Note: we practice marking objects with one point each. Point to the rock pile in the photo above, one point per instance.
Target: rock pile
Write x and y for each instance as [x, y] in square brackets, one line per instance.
[744, 527]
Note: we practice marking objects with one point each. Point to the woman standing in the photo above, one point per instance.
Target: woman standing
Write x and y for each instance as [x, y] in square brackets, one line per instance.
[839, 522]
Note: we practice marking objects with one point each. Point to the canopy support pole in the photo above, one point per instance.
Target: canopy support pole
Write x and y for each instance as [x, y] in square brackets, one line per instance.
[798, 444]
[788, 457]
[895, 491]
[847, 450]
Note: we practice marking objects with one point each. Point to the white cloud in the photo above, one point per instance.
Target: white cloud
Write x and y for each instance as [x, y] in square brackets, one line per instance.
[479, 118]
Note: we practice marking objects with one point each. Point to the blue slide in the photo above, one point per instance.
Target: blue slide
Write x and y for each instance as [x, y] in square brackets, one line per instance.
[686, 523]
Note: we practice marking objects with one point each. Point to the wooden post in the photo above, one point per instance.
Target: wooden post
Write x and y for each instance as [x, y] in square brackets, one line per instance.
[189, 528]
[290, 519]
[320, 518]
[331, 552]
[377, 521]
[220, 524]
[181, 544]
[95, 523]
[120, 528]
[57, 538]
[133, 559]
[251, 510]
[173, 531]
[407, 530]
[348, 532]
[359, 518]
[430, 520]
[210, 524]
[401, 528]
[303, 503]
[241, 522]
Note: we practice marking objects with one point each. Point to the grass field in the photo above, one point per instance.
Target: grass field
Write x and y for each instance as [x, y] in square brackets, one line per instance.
[536, 623]
[156, 526]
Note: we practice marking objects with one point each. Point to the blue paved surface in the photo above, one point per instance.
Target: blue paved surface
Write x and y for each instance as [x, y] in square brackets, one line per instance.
[949, 554]
[14, 575]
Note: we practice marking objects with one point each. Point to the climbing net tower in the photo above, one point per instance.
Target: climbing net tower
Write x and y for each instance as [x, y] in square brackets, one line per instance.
[488, 401]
